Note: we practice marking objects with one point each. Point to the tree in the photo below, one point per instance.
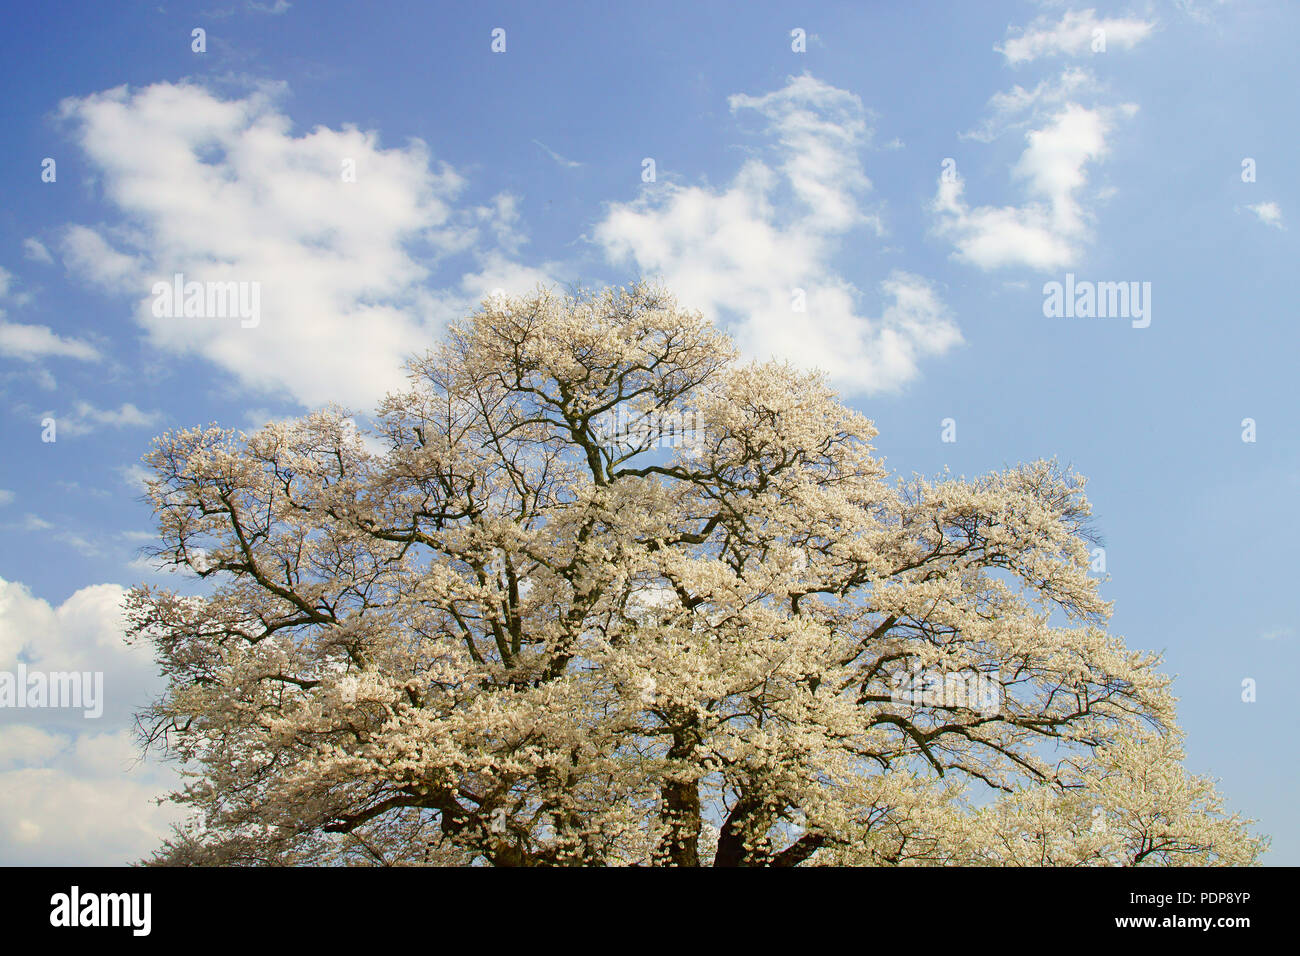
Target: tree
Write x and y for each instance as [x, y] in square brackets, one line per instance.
[507, 625]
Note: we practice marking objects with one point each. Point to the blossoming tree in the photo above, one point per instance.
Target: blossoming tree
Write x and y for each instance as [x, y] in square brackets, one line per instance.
[485, 631]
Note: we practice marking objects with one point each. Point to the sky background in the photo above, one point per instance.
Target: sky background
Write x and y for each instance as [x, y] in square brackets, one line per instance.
[775, 170]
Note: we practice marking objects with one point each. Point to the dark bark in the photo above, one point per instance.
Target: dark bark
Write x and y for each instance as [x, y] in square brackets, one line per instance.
[746, 822]
[680, 846]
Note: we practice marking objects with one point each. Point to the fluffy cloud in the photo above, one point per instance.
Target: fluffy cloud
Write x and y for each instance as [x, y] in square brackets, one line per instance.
[740, 252]
[84, 633]
[1046, 230]
[1073, 35]
[87, 802]
[75, 790]
[223, 190]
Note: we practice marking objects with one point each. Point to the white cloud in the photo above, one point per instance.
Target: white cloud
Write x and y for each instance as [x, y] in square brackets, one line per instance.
[35, 250]
[1269, 213]
[75, 792]
[1019, 107]
[223, 190]
[87, 254]
[126, 415]
[1044, 232]
[501, 218]
[76, 814]
[740, 252]
[1078, 32]
[820, 130]
[498, 272]
[86, 418]
[32, 342]
[22, 745]
[83, 633]
[6, 497]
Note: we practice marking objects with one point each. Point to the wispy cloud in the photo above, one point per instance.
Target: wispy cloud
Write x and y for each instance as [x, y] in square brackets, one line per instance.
[32, 342]
[1019, 106]
[1076, 33]
[1269, 213]
[563, 161]
[1063, 139]
[35, 250]
[85, 418]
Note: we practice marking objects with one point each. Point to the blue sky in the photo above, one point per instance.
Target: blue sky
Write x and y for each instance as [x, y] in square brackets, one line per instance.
[775, 170]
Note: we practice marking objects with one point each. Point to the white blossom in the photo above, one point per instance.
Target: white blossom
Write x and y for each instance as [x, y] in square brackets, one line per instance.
[481, 632]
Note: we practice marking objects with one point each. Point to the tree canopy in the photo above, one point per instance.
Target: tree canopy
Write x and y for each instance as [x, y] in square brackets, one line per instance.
[486, 629]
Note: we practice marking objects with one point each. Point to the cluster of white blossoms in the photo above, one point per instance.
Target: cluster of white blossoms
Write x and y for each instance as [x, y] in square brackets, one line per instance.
[480, 633]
